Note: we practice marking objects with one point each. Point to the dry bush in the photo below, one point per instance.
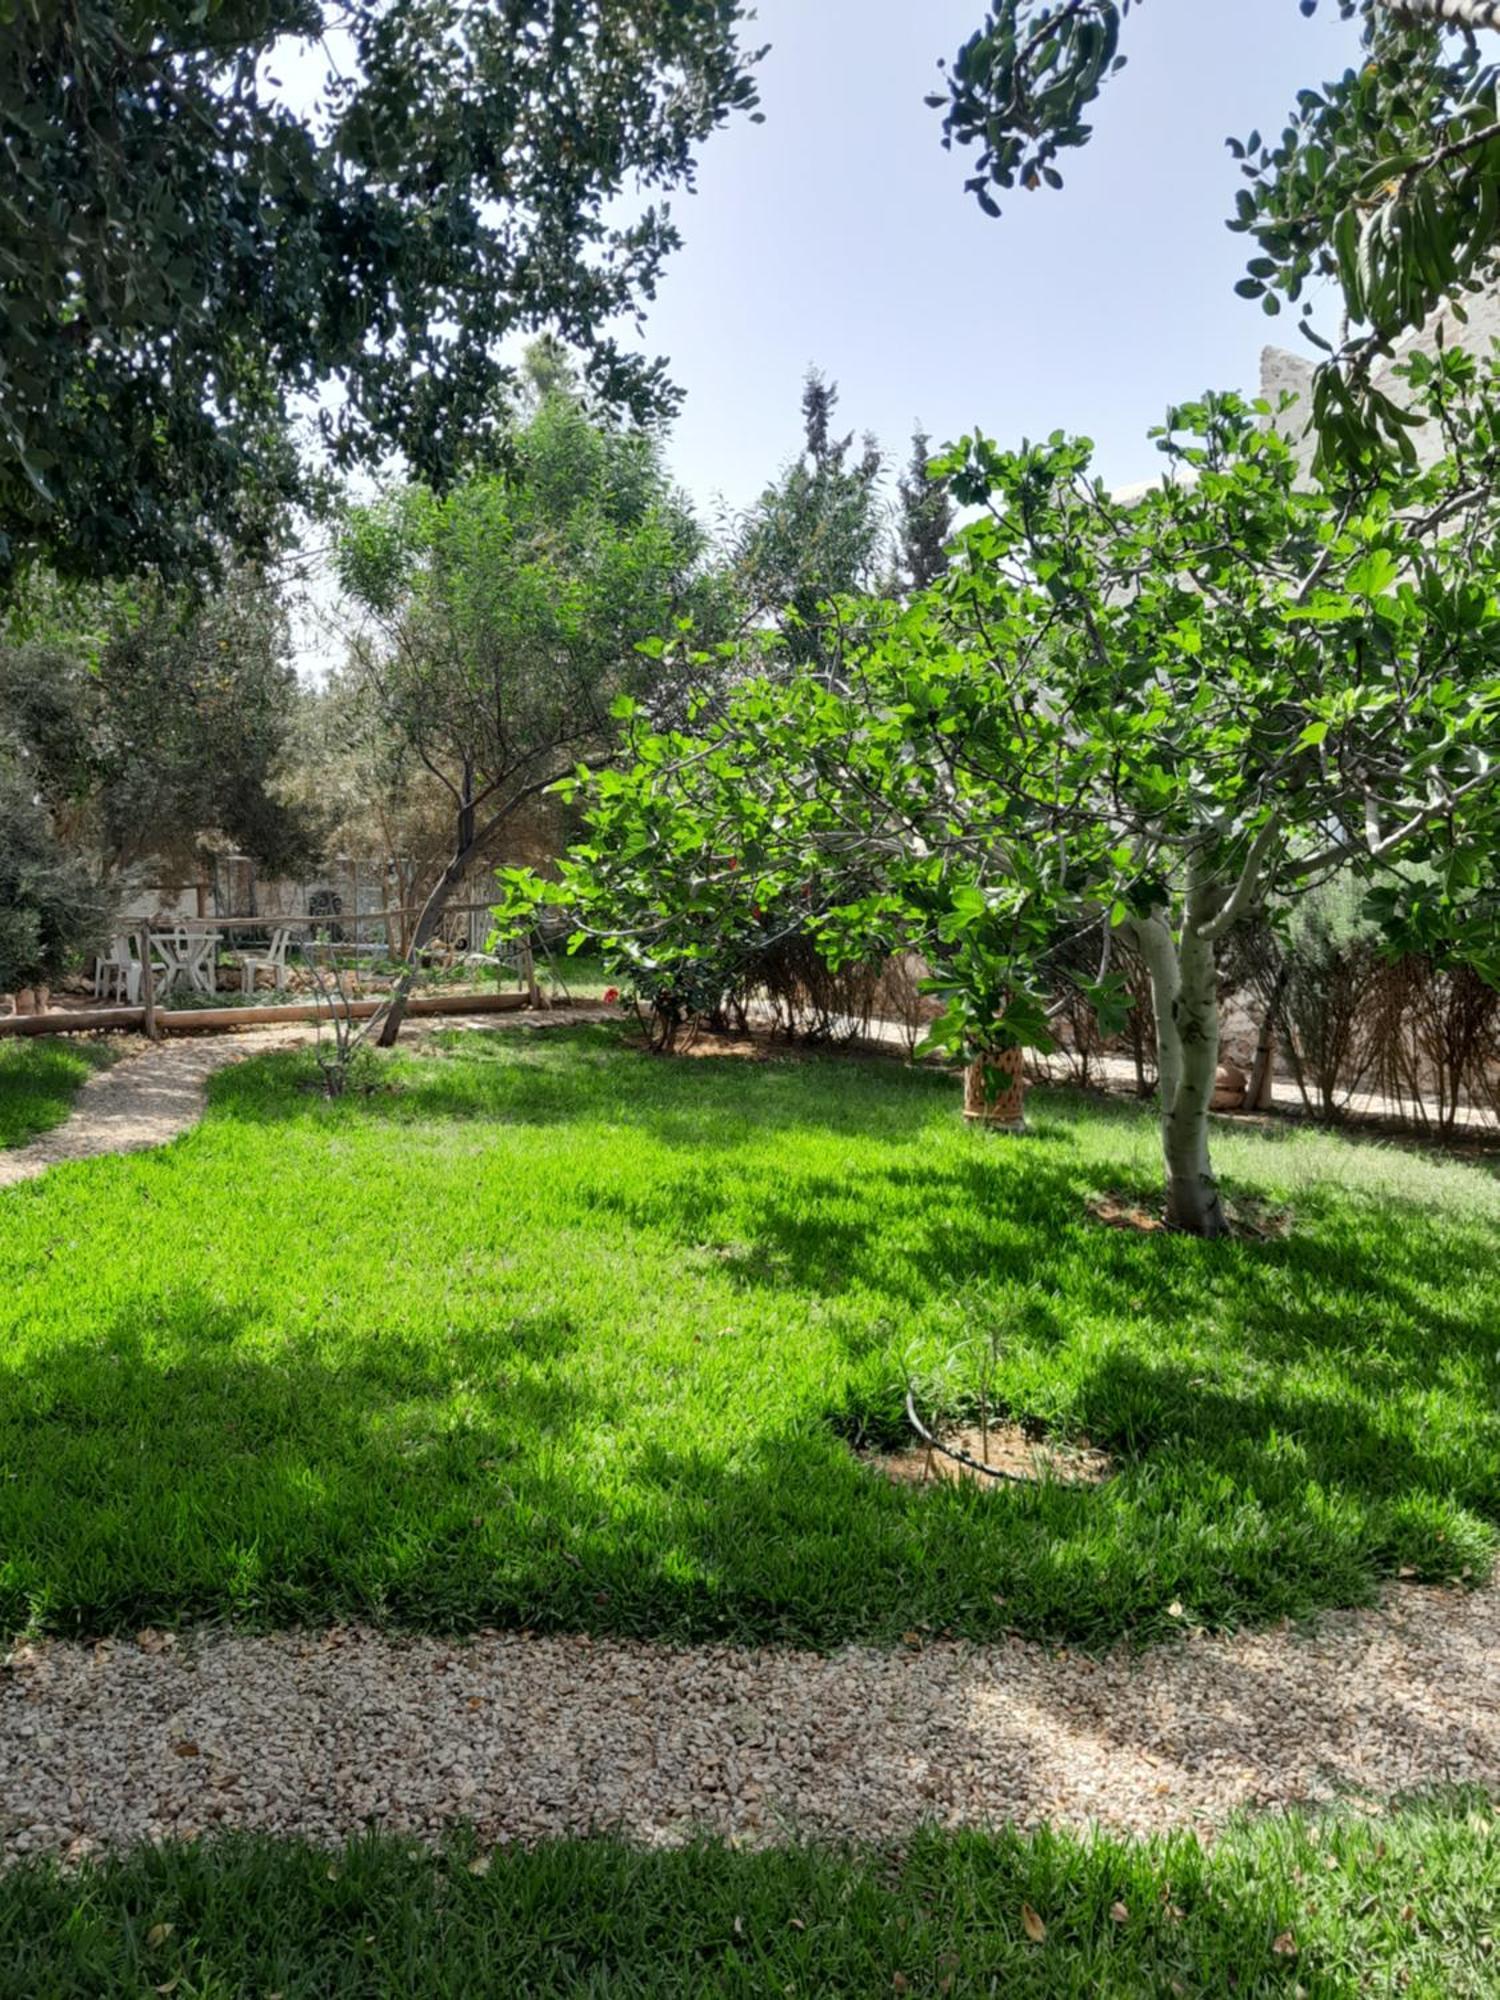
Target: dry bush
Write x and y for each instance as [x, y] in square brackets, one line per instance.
[1435, 1036]
[810, 1002]
[899, 997]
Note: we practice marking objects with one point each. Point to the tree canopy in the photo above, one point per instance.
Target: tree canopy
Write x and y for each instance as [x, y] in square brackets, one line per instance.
[164, 731]
[509, 615]
[1141, 720]
[816, 532]
[186, 255]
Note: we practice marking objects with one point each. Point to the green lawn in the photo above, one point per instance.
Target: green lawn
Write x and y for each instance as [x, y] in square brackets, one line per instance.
[556, 1334]
[1318, 1908]
[39, 1078]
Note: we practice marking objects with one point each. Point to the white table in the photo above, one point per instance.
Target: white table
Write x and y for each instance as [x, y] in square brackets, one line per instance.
[185, 956]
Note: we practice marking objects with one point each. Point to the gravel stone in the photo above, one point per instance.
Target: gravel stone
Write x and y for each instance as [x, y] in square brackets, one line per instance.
[525, 1738]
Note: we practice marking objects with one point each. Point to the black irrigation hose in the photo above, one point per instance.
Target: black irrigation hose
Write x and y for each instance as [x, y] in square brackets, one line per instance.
[958, 1457]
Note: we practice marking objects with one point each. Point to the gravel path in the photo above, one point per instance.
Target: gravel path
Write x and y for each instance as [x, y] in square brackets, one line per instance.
[144, 1100]
[323, 1734]
[147, 1100]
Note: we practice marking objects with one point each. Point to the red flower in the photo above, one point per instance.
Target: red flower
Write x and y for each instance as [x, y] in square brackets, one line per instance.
[611, 994]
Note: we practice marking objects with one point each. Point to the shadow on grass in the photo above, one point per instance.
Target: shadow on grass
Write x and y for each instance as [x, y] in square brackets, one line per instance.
[1291, 1906]
[182, 1463]
[39, 1079]
[591, 1076]
[1294, 1418]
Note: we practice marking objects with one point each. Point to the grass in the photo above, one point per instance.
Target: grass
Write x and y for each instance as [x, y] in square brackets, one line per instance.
[1309, 1907]
[39, 1078]
[555, 1334]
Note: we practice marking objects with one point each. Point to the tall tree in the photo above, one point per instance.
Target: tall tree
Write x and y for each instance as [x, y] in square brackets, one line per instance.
[817, 533]
[927, 518]
[53, 905]
[165, 733]
[184, 252]
[508, 616]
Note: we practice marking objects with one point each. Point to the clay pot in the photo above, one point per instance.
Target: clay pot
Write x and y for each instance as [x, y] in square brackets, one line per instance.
[995, 1090]
[1231, 1087]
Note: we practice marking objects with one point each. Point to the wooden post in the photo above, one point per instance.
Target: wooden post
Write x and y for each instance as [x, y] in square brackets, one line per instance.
[148, 982]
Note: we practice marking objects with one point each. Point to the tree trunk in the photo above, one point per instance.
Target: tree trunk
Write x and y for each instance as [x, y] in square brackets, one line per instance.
[1261, 1095]
[1185, 995]
[432, 913]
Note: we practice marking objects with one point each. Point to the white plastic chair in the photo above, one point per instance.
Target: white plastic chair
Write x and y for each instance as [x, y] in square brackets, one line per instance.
[272, 960]
[118, 977]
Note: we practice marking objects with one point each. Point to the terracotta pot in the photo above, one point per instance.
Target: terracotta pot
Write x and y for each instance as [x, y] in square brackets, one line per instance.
[995, 1090]
[1231, 1087]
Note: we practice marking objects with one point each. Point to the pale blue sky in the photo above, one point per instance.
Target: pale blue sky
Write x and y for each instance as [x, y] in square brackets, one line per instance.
[839, 233]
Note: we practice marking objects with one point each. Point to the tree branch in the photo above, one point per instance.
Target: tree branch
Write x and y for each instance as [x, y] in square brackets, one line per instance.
[1247, 887]
[1334, 857]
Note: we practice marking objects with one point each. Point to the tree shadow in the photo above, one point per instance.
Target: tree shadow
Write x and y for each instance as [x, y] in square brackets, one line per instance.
[1274, 1405]
[1301, 1905]
[180, 1463]
[588, 1076]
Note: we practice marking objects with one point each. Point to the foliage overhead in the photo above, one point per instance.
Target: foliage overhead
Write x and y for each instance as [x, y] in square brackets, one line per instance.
[1385, 181]
[184, 252]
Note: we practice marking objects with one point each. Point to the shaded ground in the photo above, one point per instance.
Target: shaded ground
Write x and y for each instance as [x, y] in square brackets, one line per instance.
[1311, 1909]
[40, 1076]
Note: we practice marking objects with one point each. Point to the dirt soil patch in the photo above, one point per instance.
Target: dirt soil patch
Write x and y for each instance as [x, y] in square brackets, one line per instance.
[1247, 1216]
[1006, 1449]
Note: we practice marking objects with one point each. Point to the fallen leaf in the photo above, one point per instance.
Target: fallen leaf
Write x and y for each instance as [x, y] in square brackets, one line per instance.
[480, 1865]
[1174, 1609]
[796, 1924]
[1118, 1913]
[1032, 1924]
[158, 1935]
[334, 1871]
[739, 1926]
[1284, 1945]
[899, 1982]
[186, 1749]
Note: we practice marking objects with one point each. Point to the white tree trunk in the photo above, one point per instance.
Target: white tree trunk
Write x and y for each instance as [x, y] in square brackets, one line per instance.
[1185, 993]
